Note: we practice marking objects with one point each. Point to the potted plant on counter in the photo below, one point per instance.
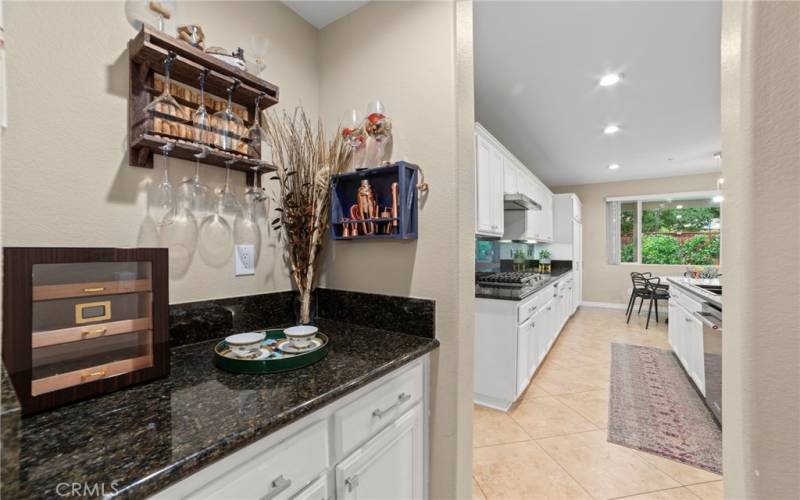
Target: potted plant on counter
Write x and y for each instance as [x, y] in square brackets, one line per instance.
[544, 261]
[305, 162]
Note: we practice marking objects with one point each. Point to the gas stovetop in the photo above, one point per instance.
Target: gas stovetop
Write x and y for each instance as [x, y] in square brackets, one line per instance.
[513, 279]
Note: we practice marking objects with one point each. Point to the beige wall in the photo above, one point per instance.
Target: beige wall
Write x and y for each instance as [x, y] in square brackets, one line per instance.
[761, 343]
[607, 283]
[66, 179]
[406, 54]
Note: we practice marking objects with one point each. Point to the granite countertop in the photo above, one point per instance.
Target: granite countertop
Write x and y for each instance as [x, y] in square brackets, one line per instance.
[552, 278]
[137, 441]
[690, 285]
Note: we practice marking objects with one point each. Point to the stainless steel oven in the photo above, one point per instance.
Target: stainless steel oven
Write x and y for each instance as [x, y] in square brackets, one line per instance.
[711, 317]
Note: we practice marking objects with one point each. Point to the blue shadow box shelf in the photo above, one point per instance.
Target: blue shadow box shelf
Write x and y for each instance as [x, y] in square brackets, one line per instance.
[344, 194]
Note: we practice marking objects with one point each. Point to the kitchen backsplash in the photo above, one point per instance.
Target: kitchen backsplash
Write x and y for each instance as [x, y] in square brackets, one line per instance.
[493, 256]
[193, 322]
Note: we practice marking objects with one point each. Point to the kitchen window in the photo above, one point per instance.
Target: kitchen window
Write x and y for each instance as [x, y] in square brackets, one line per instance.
[673, 229]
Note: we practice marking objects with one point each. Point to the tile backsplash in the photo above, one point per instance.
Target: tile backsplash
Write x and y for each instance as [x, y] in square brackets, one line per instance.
[489, 253]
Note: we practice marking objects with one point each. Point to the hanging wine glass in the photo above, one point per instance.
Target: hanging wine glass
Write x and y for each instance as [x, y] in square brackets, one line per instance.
[229, 204]
[255, 134]
[216, 237]
[201, 119]
[355, 139]
[196, 194]
[165, 107]
[255, 193]
[379, 128]
[228, 122]
[164, 193]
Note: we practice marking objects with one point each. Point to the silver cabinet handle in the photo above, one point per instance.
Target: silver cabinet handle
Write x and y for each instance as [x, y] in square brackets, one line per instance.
[278, 485]
[550, 308]
[704, 319]
[688, 320]
[351, 482]
[531, 309]
[401, 398]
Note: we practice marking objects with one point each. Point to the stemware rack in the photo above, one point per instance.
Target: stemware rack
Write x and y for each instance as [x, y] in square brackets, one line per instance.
[147, 53]
[344, 194]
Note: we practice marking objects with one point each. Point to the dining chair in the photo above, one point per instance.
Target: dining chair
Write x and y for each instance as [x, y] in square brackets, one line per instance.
[638, 289]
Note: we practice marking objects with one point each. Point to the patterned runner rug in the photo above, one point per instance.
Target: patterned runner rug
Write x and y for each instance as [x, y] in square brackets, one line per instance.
[654, 407]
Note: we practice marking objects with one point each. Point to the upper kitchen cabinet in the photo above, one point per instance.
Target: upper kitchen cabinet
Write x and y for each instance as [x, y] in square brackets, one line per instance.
[566, 210]
[525, 204]
[489, 186]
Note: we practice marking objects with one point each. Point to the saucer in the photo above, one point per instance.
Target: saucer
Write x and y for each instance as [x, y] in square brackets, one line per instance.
[286, 346]
[265, 353]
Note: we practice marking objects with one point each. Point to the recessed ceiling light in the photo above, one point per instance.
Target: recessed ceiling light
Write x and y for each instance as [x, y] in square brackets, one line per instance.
[679, 207]
[613, 166]
[610, 79]
[611, 129]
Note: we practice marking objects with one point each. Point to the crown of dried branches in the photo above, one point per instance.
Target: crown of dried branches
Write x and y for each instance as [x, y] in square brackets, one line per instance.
[305, 163]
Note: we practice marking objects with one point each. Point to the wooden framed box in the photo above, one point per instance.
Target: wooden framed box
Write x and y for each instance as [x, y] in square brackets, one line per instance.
[78, 322]
[344, 195]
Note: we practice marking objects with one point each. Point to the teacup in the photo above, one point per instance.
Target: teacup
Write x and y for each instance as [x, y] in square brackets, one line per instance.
[301, 336]
[245, 345]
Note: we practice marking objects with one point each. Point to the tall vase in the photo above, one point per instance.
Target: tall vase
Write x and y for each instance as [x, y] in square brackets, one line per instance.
[305, 311]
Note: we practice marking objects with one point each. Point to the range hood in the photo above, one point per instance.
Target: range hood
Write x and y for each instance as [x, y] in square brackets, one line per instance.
[519, 201]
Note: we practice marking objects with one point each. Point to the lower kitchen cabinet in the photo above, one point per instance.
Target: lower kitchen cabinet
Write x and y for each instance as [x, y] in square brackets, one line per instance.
[388, 466]
[512, 339]
[369, 444]
[685, 335]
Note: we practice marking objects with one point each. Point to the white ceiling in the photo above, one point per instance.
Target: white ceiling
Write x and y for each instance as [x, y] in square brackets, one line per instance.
[321, 13]
[536, 71]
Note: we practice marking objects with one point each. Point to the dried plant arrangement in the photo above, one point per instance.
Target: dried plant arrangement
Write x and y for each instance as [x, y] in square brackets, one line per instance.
[305, 162]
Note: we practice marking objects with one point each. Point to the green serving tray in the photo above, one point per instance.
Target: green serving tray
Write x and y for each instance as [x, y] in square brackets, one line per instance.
[281, 363]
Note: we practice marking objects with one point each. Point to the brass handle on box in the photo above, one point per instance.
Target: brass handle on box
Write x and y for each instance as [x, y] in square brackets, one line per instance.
[97, 331]
[98, 373]
[96, 289]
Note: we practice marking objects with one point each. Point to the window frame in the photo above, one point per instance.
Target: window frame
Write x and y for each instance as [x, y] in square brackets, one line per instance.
[639, 199]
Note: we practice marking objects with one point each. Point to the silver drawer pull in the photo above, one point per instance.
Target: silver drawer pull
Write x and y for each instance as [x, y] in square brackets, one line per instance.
[401, 398]
[278, 485]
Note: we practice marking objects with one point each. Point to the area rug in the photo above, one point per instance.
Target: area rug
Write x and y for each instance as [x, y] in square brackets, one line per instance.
[654, 407]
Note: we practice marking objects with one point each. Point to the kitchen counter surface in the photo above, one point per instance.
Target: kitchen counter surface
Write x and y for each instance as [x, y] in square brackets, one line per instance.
[137, 441]
[554, 277]
[690, 285]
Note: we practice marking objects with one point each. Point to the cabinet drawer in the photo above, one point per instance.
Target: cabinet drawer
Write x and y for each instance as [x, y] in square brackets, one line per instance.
[277, 473]
[534, 304]
[364, 417]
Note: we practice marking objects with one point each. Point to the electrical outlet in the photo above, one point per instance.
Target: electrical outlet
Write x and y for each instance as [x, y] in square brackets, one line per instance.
[245, 260]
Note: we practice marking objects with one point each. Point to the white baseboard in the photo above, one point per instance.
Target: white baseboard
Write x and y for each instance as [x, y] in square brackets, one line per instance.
[604, 305]
[490, 402]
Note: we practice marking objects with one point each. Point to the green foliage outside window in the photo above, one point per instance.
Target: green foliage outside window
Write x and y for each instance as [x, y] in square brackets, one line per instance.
[701, 250]
[660, 249]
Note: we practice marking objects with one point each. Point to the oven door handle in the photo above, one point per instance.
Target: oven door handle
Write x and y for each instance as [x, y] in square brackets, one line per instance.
[704, 318]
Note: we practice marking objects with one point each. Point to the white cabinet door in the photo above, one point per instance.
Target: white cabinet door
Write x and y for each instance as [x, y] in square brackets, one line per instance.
[526, 347]
[694, 347]
[510, 176]
[546, 214]
[496, 186]
[389, 466]
[484, 208]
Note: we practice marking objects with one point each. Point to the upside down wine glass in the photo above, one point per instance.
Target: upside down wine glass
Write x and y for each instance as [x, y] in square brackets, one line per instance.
[355, 138]
[229, 122]
[379, 127]
[165, 106]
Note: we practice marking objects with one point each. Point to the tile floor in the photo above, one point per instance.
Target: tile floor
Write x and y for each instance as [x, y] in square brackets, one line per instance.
[552, 444]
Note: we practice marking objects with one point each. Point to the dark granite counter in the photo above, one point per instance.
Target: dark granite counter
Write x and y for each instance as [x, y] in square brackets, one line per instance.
[135, 442]
[552, 278]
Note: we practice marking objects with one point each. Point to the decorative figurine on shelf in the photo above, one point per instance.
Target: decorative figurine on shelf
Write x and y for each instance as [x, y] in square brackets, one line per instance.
[367, 205]
[379, 129]
[355, 138]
